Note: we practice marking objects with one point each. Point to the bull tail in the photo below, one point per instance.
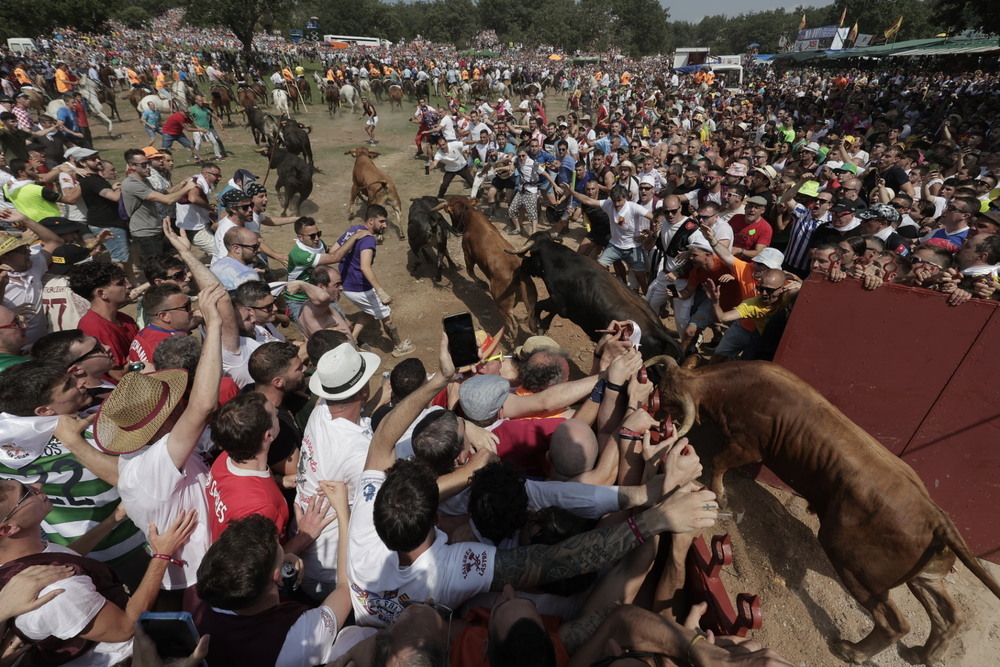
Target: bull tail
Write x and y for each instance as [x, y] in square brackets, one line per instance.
[948, 533]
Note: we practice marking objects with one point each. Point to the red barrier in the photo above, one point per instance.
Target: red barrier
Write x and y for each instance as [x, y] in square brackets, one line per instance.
[917, 374]
[703, 584]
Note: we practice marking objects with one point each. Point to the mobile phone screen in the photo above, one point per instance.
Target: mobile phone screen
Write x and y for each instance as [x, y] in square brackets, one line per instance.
[461, 339]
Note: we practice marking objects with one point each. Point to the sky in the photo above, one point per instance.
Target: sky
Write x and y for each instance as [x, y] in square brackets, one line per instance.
[687, 10]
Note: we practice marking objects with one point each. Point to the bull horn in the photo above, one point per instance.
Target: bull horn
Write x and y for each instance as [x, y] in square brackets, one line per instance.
[439, 207]
[523, 251]
[689, 414]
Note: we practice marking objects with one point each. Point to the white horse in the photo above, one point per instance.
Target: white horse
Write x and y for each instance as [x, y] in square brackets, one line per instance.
[498, 89]
[160, 104]
[280, 99]
[88, 89]
[348, 95]
[365, 88]
[180, 91]
[317, 77]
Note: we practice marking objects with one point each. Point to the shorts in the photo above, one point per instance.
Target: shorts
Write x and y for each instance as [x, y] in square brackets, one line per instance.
[508, 183]
[737, 341]
[635, 258]
[169, 139]
[368, 302]
[151, 133]
[373, 121]
[117, 245]
[544, 186]
[700, 314]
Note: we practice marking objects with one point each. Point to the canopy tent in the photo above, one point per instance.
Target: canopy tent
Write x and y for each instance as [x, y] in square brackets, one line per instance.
[934, 46]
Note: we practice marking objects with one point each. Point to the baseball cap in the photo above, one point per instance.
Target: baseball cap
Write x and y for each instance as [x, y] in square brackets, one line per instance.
[883, 211]
[482, 396]
[61, 225]
[244, 174]
[847, 166]
[698, 240]
[22, 94]
[151, 152]
[844, 205]
[834, 164]
[809, 189]
[79, 153]
[66, 256]
[772, 258]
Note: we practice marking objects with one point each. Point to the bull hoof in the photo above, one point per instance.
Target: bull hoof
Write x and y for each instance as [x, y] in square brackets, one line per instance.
[917, 655]
[847, 651]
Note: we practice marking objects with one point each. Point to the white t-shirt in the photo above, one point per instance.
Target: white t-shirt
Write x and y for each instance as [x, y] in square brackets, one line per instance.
[68, 614]
[234, 364]
[625, 222]
[404, 446]
[219, 249]
[449, 573]
[334, 450]
[453, 159]
[448, 128]
[153, 489]
[24, 295]
[78, 211]
[190, 216]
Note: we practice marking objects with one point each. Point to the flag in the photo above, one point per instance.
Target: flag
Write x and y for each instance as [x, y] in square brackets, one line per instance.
[852, 36]
[891, 32]
[802, 23]
[843, 15]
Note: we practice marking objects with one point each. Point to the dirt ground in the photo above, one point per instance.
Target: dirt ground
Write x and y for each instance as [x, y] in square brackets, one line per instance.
[776, 555]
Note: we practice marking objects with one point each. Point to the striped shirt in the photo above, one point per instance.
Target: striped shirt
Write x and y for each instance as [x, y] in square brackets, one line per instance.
[803, 226]
[80, 501]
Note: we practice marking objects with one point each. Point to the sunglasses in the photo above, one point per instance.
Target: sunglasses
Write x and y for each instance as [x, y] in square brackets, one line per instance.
[180, 275]
[28, 492]
[767, 290]
[312, 236]
[255, 247]
[918, 260]
[140, 164]
[18, 322]
[645, 187]
[186, 308]
[268, 308]
[94, 351]
[671, 211]
[243, 207]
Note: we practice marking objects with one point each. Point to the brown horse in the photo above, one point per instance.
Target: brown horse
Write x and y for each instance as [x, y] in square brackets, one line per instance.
[331, 93]
[294, 98]
[222, 101]
[260, 91]
[247, 98]
[305, 90]
[135, 96]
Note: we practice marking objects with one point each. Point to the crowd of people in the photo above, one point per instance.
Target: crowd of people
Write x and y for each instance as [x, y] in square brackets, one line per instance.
[193, 458]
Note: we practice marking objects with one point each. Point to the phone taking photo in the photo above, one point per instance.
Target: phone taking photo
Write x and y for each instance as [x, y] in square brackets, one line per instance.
[462, 344]
[172, 632]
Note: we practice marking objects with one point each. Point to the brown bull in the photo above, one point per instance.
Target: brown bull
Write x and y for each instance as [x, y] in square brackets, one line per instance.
[485, 246]
[878, 525]
[373, 185]
[395, 97]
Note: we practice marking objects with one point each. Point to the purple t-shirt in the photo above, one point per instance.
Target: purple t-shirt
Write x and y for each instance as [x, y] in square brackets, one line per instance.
[350, 266]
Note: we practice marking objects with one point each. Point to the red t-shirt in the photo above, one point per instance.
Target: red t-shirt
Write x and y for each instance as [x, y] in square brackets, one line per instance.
[749, 236]
[146, 341]
[524, 443]
[730, 294]
[117, 336]
[234, 493]
[174, 124]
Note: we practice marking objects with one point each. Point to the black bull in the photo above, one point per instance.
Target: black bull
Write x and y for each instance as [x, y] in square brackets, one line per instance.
[582, 291]
[427, 231]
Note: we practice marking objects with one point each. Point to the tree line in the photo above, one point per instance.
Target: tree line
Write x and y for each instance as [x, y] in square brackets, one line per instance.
[632, 27]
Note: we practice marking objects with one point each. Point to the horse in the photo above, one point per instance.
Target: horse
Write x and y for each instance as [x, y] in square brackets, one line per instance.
[280, 99]
[409, 90]
[222, 100]
[364, 88]
[260, 90]
[161, 105]
[349, 95]
[135, 97]
[109, 78]
[377, 88]
[180, 91]
[247, 98]
[89, 91]
[331, 93]
[294, 98]
[305, 90]
[395, 97]
[438, 90]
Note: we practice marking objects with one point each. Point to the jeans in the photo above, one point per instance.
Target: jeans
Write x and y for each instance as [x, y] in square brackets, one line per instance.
[117, 245]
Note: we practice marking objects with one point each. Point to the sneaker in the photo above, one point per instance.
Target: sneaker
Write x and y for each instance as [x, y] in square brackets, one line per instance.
[404, 348]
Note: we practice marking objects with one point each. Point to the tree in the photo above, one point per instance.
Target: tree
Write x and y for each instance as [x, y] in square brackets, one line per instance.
[240, 16]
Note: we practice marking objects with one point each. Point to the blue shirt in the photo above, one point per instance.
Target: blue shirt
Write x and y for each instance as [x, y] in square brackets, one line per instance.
[68, 119]
[232, 274]
[958, 238]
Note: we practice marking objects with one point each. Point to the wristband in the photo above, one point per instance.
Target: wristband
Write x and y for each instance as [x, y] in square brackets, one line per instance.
[614, 387]
[694, 640]
[642, 540]
[173, 560]
[630, 433]
[633, 438]
[597, 393]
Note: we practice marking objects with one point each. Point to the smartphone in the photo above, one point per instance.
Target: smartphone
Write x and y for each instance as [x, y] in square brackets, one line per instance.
[173, 632]
[461, 339]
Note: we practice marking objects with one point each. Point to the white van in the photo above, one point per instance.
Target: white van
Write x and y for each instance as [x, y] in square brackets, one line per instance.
[21, 45]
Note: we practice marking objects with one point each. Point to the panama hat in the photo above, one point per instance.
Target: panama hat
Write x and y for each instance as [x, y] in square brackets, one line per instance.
[342, 372]
[137, 408]
[9, 242]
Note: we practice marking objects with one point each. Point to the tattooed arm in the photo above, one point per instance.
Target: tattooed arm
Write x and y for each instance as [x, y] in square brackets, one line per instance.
[680, 512]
